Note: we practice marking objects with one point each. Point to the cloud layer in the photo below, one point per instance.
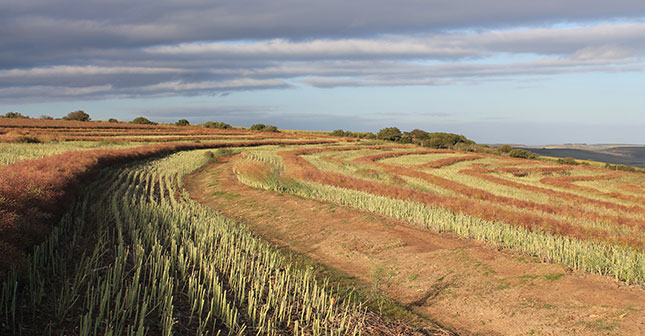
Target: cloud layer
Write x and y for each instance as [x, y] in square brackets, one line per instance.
[65, 50]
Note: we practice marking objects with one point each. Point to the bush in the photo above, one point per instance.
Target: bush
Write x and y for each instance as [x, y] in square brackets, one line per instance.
[182, 122]
[568, 160]
[621, 167]
[257, 127]
[112, 120]
[504, 149]
[217, 124]
[522, 154]
[389, 133]
[270, 128]
[142, 120]
[264, 128]
[46, 117]
[418, 135]
[339, 132]
[79, 115]
[15, 115]
[405, 139]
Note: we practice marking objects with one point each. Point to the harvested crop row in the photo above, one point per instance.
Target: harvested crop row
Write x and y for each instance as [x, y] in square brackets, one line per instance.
[164, 265]
[597, 257]
[568, 183]
[448, 161]
[34, 193]
[299, 168]
[484, 174]
[559, 227]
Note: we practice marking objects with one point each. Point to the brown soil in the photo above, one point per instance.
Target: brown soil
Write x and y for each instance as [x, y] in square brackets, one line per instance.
[467, 285]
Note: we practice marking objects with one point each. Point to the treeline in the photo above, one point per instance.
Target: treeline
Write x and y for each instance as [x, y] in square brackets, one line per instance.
[417, 136]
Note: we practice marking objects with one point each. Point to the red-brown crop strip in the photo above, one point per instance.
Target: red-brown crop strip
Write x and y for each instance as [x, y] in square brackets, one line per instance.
[388, 155]
[570, 211]
[480, 194]
[526, 171]
[568, 183]
[633, 188]
[299, 168]
[565, 169]
[35, 193]
[447, 161]
[163, 139]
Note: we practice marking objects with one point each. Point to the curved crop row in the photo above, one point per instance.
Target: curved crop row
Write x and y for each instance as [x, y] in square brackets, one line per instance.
[34, 193]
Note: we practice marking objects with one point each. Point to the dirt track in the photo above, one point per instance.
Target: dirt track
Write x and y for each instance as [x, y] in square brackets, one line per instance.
[463, 284]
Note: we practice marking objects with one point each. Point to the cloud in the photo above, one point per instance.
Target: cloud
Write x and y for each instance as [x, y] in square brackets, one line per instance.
[72, 49]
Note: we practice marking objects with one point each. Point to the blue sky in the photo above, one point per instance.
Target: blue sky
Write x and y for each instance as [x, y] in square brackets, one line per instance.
[498, 72]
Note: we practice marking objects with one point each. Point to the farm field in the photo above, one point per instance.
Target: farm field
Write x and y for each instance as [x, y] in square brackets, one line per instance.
[545, 246]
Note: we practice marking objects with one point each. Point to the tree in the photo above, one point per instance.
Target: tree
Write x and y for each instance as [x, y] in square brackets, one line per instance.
[112, 120]
[217, 124]
[270, 128]
[257, 127]
[418, 135]
[79, 115]
[142, 120]
[445, 140]
[182, 122]
[46, 117]
[520, 153]
[504, 149]
[389, 133]
[406, 139]
[15, 115]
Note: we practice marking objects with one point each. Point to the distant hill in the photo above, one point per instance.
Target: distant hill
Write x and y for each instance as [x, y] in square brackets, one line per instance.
[631, 155]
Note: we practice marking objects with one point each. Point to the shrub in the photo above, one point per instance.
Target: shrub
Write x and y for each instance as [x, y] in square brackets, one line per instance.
[445, 140]
[142, 120]
[568, 160]
[15, 115]
[504, 149]
[217, 124]
[79, 115]
[182, 122]
[339, 132]
[264, 128]
[389, 133]
[112, 120]
[270, 128]
[621, 167]
[405, 139]
[418, 135]
[46, 117]
[520, 153]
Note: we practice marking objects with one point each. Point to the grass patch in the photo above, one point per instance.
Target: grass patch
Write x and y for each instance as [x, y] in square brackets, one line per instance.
[554, 276]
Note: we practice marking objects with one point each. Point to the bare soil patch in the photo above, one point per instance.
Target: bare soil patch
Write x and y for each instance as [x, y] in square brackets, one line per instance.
[467, 285]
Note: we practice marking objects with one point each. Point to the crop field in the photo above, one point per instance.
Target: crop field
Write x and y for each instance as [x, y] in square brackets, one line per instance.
[538, 207]
[98, 235]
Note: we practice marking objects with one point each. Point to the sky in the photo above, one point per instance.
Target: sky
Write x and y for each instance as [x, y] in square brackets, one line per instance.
[496, 71]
